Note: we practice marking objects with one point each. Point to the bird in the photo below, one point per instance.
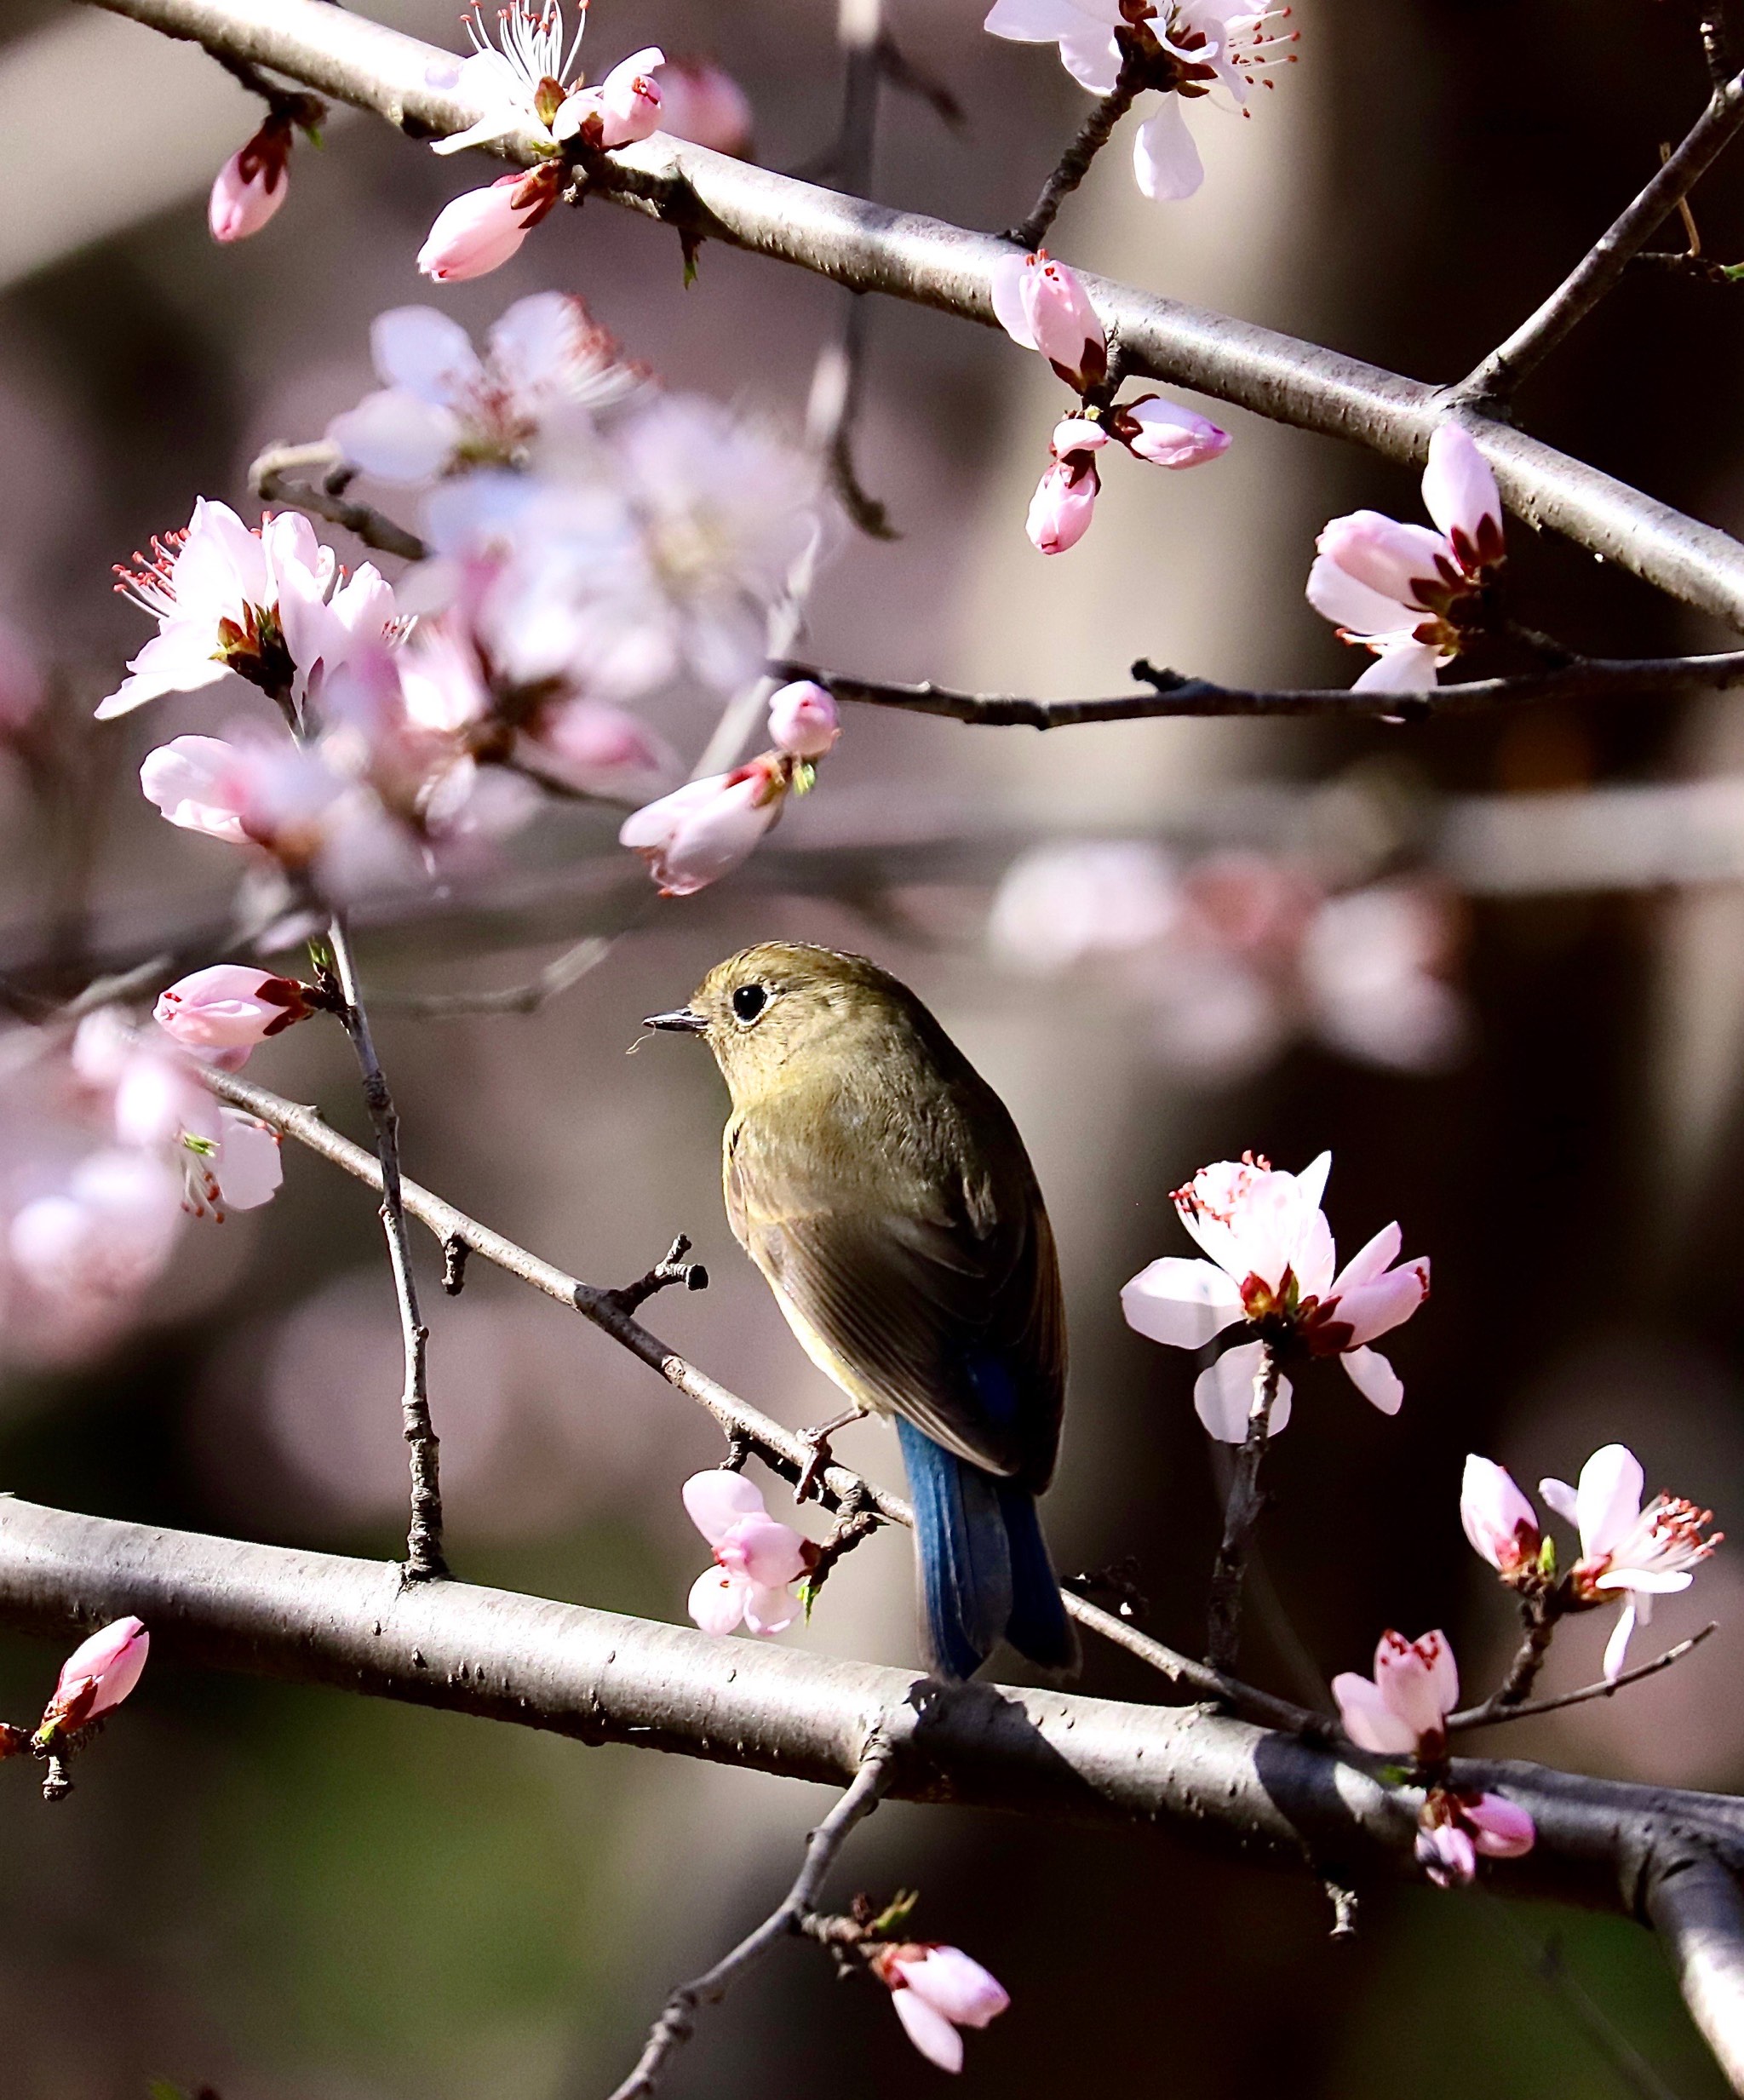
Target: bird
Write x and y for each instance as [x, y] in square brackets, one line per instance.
[880, 1186]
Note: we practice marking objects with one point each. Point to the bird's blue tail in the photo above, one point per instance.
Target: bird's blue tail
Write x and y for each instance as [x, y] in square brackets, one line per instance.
[984, 1570]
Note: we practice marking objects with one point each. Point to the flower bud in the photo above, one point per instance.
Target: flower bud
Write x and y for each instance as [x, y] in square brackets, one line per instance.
[229, 1006]
[1061, 508]
[481, 229]
[703, 830]
[803, 720]
[1169, 435]
[252, 184]
[1501, 1524]
[703, 103]
[97, 1675]
[1040, 304]
[936, 1990]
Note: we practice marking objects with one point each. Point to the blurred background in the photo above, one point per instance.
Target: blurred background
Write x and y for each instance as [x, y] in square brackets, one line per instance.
[1496, 966]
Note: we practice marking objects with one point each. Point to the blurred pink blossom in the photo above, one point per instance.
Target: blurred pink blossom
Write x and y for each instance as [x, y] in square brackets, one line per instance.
[1638, 1551]
[442, 408]
[229, 1006]
[756, 1558]
[252, 184]
[599, 749]
[247, 790]
[803, 720]
[95, 1677]
[1272, 1258]
[703, 102]
[106, 1234]
[704, 829]
[936, 1990]
[1401, 591]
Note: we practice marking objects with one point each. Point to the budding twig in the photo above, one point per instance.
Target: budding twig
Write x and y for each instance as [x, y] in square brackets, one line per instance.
[789, 1917]
[1092, 134]
[1241, 1515]
[1495, 1709]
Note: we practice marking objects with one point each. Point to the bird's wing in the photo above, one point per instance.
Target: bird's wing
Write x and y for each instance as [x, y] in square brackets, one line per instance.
[957, 1328]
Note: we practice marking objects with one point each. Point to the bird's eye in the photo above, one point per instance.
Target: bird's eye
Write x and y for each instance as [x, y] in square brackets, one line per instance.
[749, 1002]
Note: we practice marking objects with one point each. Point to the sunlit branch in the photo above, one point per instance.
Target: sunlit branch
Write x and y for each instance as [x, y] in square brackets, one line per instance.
[1074, 164]
[931, 262]
[789, 1918]
[1599, 270]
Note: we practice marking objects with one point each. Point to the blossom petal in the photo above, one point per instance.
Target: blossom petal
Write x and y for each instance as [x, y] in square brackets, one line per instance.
[423, 352]
[1371, 1261]
[1459, 488]
[1336, 595]
[717, 1601]
[1500, 1829]
[931, 2032]
[1562, 1499]
[1222, 1394]
[1403, 667]
[396, 437]
[1368, 1719]
[1376, 1378]
[769, 1607]
[716, 1500]
[1165, 160]
[1644, 1581]
[1609, 1498]
[1180, 1303]
[1375, 1309]
[956, 1984]
[1616, 1649]
[1005, 283]
[249, 1166]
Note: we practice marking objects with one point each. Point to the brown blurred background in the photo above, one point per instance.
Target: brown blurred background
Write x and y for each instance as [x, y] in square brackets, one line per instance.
[292, 1896]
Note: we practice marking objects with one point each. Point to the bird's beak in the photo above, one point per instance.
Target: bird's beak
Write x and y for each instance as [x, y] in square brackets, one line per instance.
[682, 1021]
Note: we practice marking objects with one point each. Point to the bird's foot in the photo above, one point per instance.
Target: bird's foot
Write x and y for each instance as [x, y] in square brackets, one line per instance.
[817, 1442]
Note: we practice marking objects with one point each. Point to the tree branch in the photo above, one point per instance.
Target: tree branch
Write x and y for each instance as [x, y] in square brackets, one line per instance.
[1695, 1907]
[1241, 1514]
[1500, 1709]
[1172, 694]
[270, 479]
[823, 1846]
[1602, 268]
[872, 247]
[1092, 134]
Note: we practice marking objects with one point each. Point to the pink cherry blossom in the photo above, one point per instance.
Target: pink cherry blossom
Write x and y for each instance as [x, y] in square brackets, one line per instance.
[1167, 434]
[1401, 590]
[624, 107]
[1639, 1551]
[229, 1006]
[511, 77]
[238, 1167]
[756, 1558]
[246, 790]
[704, 829]
[936, 1990]
[270, 607]
[1271, 1258]
[95, 1677]
[1065, 497]
[1403, 1709]
[803, 719]
[252, 184]
[107, 1233]
[599, 749]
[479, 230]
[442, 406]
[703, 102]
[1500, 1523]
[1455, 1829]
[1193, 47]
[1041, 305]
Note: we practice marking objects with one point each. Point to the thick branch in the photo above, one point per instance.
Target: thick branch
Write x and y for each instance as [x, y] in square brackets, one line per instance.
[872, 247]
[1600, 270]
[789, 1917]
[1172, 694]
[1695, 1909]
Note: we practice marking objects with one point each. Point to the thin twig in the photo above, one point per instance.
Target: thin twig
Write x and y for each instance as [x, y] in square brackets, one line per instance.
[270, 479]
[424, 1557]
[1599, 270]
[1493, 1709]
[1093, 133]
[1241, 1515]
[784, 1450]
[558, 976]
[1717, 41]
[678, 2020]
[1541, 1613]
[1173, 694]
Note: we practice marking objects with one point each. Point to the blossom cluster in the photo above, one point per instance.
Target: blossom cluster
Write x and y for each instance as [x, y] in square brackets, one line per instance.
[110, 1142]
[1227, 956]
[593, 539]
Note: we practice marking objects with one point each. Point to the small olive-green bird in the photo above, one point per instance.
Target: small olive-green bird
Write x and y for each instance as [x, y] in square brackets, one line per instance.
[881, 1187]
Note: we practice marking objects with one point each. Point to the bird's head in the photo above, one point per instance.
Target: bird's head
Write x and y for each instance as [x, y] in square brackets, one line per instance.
[768, 1012]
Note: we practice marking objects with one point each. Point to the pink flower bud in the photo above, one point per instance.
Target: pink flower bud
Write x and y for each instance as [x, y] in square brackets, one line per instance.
[1501, 1524]
[252, 184]
[1169, 435]
[1399, 561]
[703, 830]
[1040, 304]
[703, 103]
[97, 1675]
[1447, 1855]
[481, 229]
[1459, 493]
[1403, 1708]
[1061, 509]
[756, 1557]
[624, 107]
[229, 1006]
[936, 1990]
[1502, 1829]
[803, 720]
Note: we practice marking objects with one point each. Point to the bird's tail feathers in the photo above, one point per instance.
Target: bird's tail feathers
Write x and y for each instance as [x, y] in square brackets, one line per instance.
[984, 1568]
